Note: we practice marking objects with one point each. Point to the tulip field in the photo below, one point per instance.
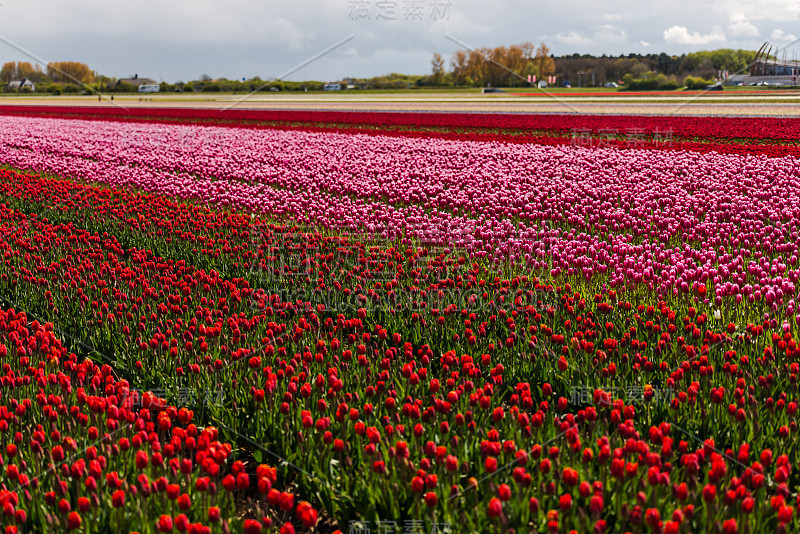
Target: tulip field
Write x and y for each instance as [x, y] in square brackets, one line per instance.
[397, 323]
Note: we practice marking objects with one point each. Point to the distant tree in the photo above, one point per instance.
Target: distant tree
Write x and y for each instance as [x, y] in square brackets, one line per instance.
[125, 88]
[496, 75]
[638, 68]
[459, 65]
[69, 72]
[709, 62]
[19, 70]
[102, 82]
[476, 65]
[706, 68]
[515, 61]
[528, 50]
[25, 69]
[37, 75]
[8, 72]
[545, 66]
[649, 80]
[437, 69]
[530, 69]
[501, 66]
[696, 83]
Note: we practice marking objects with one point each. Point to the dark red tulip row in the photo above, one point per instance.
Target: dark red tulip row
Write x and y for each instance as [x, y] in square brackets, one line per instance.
[690, 127]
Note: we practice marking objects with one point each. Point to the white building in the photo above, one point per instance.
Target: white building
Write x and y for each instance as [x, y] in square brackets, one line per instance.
[18, 85]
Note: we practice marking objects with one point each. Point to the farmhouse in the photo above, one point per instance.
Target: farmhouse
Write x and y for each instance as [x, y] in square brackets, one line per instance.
[18, 85]
[136, 81]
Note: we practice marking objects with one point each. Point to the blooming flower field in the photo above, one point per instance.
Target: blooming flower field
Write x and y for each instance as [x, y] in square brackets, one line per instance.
[209, 328]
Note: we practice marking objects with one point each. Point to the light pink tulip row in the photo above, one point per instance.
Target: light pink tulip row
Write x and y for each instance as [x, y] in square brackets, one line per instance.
[662, 220]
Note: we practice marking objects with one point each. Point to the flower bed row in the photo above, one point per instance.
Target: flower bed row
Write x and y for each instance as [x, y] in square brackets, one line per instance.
[665, 222]
[740, 128]
[399, 383]
[82, 452]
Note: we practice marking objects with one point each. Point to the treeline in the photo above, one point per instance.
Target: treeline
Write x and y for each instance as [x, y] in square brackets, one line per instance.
[255, 84]
[511, 66]
[76, 78]
[502, 66]
[66, 77]
[659, 70]
[59, 72]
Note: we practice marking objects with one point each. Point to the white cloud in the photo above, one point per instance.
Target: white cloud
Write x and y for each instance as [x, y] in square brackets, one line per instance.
[612, 16]
[780, 35]
[680, 35]
[741, 27]
[458, 23]
[284, 31]
[644, 43]
[350, 52]
[604, 35]
[759, 9]
[572, 38]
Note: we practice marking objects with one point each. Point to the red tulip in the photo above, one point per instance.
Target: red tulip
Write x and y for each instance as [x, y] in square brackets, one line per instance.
[286, 501]
[165, 523]
[430, 499]
[251, 526]
[74, 521]
[495, 507]
[504, 492]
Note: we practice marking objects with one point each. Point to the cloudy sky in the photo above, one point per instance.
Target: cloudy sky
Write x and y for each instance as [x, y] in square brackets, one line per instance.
[174, 40]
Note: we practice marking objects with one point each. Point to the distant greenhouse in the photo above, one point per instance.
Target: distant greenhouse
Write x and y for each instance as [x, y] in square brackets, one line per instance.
[770, 67]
